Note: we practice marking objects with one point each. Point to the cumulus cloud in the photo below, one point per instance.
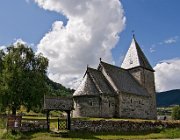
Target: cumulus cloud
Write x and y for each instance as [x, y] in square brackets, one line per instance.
[90, 33]
[167, 75]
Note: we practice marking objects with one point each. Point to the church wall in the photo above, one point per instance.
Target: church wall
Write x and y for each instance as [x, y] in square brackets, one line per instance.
[132, 106]
[150, 86]
[107, 107]
[94, 106]
[146, 79]
[86, 107]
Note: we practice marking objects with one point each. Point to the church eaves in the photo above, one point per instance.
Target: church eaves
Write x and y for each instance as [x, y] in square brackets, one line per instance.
[135, 57]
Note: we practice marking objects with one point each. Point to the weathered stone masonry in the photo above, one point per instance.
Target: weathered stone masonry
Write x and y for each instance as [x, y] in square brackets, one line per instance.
[121, 125]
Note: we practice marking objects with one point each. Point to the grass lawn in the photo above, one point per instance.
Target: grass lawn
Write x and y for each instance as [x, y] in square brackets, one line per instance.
[69, 135]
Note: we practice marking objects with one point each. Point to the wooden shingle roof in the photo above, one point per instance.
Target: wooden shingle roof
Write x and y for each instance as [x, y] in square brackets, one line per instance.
[123, 80]
[87, 87]
[100, 81]
[94, 84]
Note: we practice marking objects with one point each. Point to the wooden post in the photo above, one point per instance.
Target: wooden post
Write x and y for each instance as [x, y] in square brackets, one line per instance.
[47, 119]
[68, 120]
[58, 123]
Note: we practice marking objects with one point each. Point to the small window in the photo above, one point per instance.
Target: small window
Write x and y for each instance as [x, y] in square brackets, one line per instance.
[91, 103]
[109, 104]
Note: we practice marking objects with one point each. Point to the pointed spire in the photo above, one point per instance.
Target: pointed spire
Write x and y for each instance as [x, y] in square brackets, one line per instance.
[135, 57]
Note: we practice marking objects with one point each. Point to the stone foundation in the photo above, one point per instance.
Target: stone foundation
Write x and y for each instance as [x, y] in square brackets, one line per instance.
[121, 125]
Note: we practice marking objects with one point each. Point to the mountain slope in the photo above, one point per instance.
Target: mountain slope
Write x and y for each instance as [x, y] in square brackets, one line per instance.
[168, 98]
[56, 89]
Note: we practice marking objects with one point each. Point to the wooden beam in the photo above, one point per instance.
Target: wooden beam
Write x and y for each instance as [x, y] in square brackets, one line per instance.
[68, 120]
[47, 119]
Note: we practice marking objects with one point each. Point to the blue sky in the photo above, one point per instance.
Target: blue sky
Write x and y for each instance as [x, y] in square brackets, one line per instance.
[155, 22]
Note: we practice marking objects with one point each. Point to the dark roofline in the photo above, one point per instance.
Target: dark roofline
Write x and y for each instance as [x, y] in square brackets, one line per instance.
[141, 52]
[141, 67]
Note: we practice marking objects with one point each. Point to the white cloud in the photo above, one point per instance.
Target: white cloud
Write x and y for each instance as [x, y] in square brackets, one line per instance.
[19, 40]
[168, 41]
[2, 47]
[167, 75]
[152, 49]
[91, 32]
[171, 40]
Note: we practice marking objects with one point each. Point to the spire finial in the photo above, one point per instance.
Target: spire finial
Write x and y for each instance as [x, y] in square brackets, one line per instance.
[133, 33]
[100, 59]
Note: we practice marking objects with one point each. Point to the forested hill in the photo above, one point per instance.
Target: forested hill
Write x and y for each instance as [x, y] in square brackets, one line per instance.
[56, 89]
[168, 98]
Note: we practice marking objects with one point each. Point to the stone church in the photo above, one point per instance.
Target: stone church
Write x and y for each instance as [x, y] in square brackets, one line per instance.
[118, 92]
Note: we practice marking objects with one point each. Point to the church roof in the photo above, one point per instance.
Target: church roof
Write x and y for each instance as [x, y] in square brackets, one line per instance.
[93, 84]
[135, 57]
[123, 80]
[87, 87]
[100, 81]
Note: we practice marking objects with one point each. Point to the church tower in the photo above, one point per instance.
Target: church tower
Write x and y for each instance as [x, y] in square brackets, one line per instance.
[137, 64]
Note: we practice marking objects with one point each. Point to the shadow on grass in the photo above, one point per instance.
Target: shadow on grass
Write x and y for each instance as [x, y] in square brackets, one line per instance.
[19, 135]
[75, 135]
[83, 134]
[95, 135]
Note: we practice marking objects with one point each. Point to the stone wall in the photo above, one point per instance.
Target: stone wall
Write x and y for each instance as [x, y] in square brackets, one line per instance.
[94, 106]
[146, 79]
[86, 106]
[121, 125]
[133, 106]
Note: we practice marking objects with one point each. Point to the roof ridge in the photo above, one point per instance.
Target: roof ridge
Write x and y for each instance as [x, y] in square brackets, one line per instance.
[113, 65]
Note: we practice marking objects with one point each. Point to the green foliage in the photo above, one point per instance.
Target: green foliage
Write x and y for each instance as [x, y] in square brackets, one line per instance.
[56, 89]
[2, 123]
[22, 78]
[176, 113]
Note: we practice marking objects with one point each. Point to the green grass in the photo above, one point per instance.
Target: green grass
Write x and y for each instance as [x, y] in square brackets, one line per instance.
[70, 135]
[167, 133]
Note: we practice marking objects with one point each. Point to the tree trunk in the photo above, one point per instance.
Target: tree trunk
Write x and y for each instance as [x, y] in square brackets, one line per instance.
[13, 113]
[13, 110]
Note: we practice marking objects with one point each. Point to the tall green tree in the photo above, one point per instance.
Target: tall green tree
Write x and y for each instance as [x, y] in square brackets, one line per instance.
[176, 113]
[22, 78]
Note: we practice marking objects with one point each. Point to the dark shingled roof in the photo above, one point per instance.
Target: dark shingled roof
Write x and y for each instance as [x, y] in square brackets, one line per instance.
[123, 80]
[87, 87]
[100, 81]
[135, 57]
[93, 84]
[58, 103]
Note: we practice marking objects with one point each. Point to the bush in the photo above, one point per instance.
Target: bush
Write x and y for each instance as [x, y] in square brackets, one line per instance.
[176, 113]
